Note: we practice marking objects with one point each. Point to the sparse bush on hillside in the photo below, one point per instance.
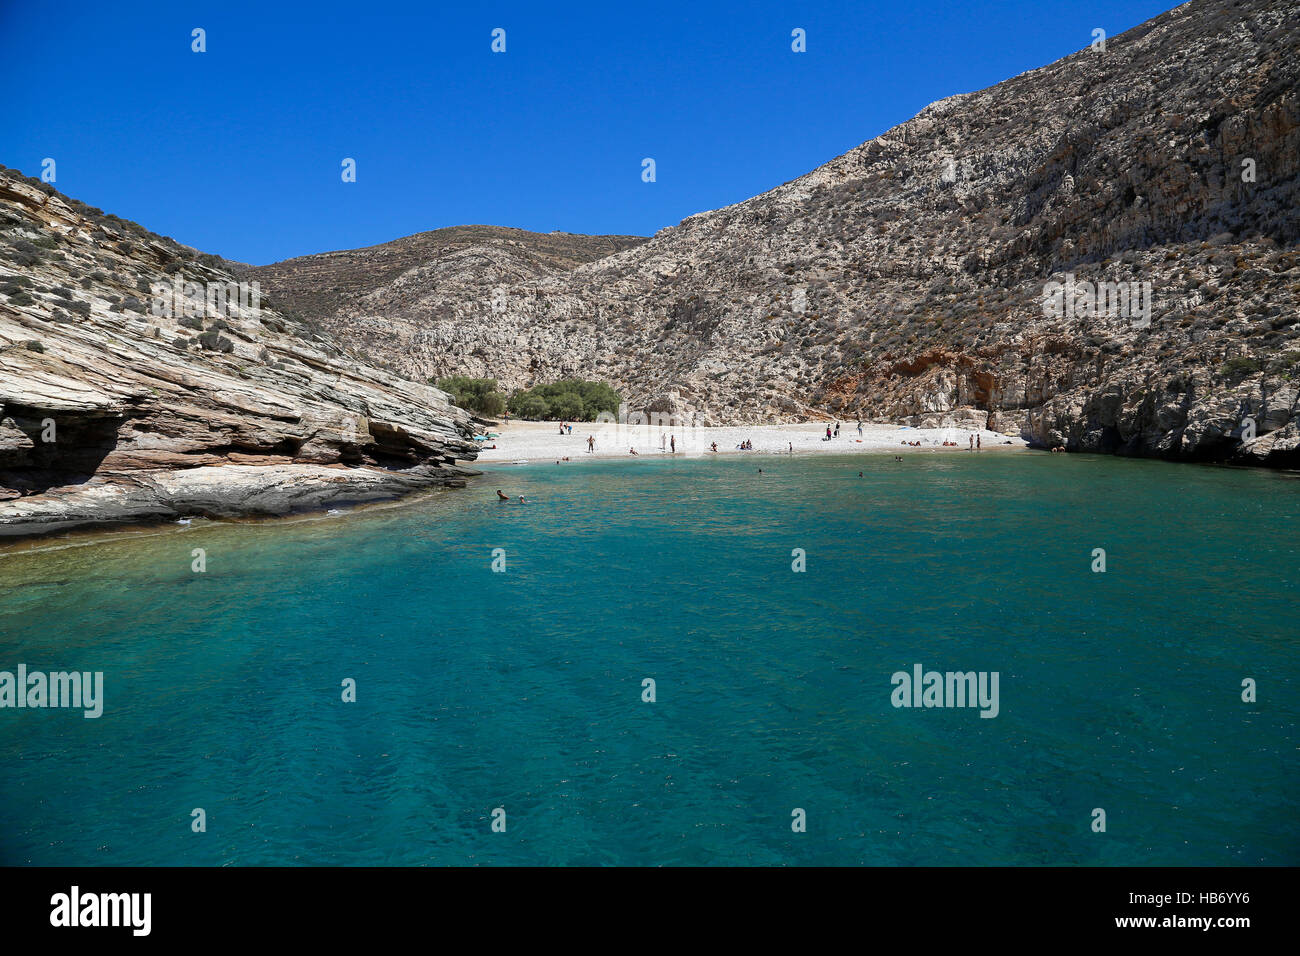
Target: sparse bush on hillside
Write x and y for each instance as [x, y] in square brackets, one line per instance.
[1239, 368]
[214, 341]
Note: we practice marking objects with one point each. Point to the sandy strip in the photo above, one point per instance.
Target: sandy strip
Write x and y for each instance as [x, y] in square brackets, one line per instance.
[542, 441]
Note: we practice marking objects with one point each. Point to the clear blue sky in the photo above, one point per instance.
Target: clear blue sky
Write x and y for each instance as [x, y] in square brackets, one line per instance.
[237, 150]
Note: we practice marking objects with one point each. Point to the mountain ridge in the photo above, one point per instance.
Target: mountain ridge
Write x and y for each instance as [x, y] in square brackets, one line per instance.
[904, 279]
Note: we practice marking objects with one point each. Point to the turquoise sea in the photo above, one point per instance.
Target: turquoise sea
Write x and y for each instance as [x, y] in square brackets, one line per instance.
[523, 689]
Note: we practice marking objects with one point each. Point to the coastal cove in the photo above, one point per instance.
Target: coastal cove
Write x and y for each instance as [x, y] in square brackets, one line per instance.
[523, 689]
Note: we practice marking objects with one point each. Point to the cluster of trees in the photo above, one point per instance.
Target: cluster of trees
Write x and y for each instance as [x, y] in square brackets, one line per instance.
[474, 394]
[572, 399]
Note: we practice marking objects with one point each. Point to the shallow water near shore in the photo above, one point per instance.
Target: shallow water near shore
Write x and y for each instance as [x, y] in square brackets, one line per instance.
[476, 690]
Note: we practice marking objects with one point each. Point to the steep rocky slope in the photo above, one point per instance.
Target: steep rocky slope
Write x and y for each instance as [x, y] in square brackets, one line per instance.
[111, 413]
[905, 280]
[360, 290]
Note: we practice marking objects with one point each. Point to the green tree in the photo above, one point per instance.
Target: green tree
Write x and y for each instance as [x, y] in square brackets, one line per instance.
[528, 405]
[475, 394]
[571, 399]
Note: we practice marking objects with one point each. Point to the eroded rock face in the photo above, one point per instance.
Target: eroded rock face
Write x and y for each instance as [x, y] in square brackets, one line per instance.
[905, 279]
[111, 413]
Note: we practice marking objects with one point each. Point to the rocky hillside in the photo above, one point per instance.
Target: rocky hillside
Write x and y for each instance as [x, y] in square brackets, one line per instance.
[112, 410]
[358, 291]
[905, 280]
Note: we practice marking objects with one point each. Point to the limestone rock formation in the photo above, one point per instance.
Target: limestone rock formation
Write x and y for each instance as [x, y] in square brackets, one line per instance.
[906, 279]
[111, 413]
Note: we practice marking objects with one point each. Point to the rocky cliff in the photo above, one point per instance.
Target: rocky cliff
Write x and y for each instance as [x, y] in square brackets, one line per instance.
[136, 383]
[1154, 179]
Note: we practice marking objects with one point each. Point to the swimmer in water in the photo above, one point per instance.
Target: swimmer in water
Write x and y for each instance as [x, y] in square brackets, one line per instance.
[500, 496]
[521, 500]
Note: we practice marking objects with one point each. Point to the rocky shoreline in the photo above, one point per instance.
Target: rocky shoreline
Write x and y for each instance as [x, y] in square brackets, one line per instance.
[218, 491]
[117, 409]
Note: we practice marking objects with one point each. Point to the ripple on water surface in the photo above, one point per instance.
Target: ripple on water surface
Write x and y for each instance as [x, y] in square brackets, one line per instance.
[522, 690]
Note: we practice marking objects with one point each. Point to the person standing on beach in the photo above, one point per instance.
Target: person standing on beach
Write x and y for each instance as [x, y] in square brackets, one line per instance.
[837, 429]
[859, 429]
[791, 447]
[828, 433]
[977, 442]
[971, 441]
[591, 444]
[673, 442]
[663, 441]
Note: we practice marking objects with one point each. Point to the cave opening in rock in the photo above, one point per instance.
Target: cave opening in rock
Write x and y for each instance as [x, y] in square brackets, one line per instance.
[42, 449]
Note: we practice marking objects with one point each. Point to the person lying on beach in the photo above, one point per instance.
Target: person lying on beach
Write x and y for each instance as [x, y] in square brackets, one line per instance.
[500, 496]
[631, 451]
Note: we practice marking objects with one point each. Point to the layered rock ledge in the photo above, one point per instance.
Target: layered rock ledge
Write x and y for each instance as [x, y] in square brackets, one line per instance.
[112, 411]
